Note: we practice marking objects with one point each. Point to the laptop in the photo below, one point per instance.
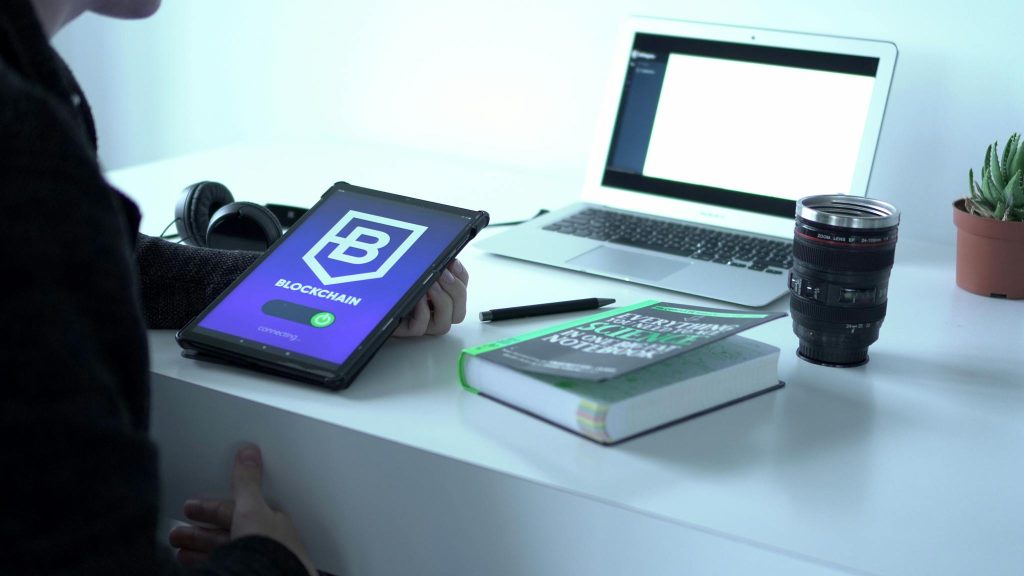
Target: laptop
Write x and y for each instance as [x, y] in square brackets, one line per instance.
[709, 135]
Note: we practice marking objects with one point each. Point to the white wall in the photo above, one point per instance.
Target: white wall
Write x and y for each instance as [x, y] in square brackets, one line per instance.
[519, 81]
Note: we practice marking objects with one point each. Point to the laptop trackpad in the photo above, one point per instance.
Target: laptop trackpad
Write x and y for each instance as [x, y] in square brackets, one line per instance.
[615, 262]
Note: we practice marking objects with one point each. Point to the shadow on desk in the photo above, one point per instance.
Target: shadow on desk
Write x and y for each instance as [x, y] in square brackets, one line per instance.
[997, 377]
[798, 421]
[810, 421]
[406, 361]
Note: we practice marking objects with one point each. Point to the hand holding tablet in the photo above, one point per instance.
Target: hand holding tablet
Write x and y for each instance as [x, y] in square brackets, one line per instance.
[443, 305]
[321, 301]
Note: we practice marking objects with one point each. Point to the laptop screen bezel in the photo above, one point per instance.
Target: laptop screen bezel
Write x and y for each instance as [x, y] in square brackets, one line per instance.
[708, 205]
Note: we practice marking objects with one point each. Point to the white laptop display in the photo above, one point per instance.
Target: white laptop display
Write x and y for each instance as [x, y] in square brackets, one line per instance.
[721, 128]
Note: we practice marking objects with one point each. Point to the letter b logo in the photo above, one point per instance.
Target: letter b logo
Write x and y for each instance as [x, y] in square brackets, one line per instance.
[361, 246]
[354, 240]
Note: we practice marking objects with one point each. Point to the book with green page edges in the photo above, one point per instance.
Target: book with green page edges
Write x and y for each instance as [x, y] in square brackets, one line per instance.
[622, 372]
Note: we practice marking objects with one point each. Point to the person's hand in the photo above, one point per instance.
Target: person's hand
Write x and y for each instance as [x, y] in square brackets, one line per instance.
[444, 305]
[220, 521]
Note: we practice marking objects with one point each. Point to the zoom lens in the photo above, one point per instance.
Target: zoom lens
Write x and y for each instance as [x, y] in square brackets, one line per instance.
[843, 250]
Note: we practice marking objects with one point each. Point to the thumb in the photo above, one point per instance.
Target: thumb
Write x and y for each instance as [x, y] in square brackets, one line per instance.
[247, 476]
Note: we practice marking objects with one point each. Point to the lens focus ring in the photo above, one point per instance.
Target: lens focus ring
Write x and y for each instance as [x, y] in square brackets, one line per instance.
[835, 314]
[836, 259]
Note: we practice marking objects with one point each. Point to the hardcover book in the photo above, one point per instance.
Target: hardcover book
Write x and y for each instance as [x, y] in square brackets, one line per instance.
[625, 371]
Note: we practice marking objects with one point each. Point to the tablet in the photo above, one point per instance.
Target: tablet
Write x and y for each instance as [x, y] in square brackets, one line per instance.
[320, 302]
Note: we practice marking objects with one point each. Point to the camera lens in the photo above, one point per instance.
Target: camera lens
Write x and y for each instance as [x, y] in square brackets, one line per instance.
[843, 250]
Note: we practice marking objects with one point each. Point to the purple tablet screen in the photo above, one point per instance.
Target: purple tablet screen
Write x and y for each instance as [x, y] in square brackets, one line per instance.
[336, 276]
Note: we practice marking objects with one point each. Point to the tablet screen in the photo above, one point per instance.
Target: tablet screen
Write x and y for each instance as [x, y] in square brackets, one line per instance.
[332, 279]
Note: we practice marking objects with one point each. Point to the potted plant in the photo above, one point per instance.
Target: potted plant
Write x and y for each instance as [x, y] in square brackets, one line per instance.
[990, 225]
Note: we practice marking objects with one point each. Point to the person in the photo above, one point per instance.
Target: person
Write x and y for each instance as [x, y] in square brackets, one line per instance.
[79, 490]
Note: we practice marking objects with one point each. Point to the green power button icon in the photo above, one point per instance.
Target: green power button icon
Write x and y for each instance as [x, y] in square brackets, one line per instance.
[322, 320]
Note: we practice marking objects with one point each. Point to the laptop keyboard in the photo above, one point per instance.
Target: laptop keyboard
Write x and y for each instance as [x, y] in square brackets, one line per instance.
[760, 254]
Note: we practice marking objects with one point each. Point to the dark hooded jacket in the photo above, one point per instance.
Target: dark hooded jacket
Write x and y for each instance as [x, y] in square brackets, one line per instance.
[79, 487]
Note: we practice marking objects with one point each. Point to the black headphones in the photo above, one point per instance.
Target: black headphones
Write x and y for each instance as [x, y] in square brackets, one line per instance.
[207, 215]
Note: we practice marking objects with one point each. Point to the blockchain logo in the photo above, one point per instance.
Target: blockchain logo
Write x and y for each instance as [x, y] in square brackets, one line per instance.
[361, 246]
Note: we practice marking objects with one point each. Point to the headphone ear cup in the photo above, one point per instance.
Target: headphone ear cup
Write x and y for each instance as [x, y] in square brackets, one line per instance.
[243, 226]
[195, 207]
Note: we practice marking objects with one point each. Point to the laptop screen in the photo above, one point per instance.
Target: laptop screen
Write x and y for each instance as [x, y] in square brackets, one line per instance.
[739, 125]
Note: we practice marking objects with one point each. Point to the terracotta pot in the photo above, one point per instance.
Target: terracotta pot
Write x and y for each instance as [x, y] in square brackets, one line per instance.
[989, 254]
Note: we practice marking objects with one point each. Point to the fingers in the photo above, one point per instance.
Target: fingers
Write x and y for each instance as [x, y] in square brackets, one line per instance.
[195, 543]
[214, 512]
[252, 515]
[448, 301]
[441, 316]
[247, 477]
[455, 285]
[459, 271]
[415, 324]
[444, 304]
[197, 539]
[247, 514]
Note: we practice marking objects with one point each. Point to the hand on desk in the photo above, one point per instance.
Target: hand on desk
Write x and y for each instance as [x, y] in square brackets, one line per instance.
[248, 514]
[444, 305]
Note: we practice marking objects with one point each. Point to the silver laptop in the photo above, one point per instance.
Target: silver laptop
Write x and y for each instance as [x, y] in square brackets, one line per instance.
[709, 135]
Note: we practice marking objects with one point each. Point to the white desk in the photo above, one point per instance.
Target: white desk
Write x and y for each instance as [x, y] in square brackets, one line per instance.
[912, 464]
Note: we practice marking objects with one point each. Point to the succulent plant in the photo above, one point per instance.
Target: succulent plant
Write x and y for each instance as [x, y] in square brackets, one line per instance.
[1000, 194]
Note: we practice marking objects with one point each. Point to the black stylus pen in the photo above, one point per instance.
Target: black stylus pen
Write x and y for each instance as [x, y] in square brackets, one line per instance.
[541, 309]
